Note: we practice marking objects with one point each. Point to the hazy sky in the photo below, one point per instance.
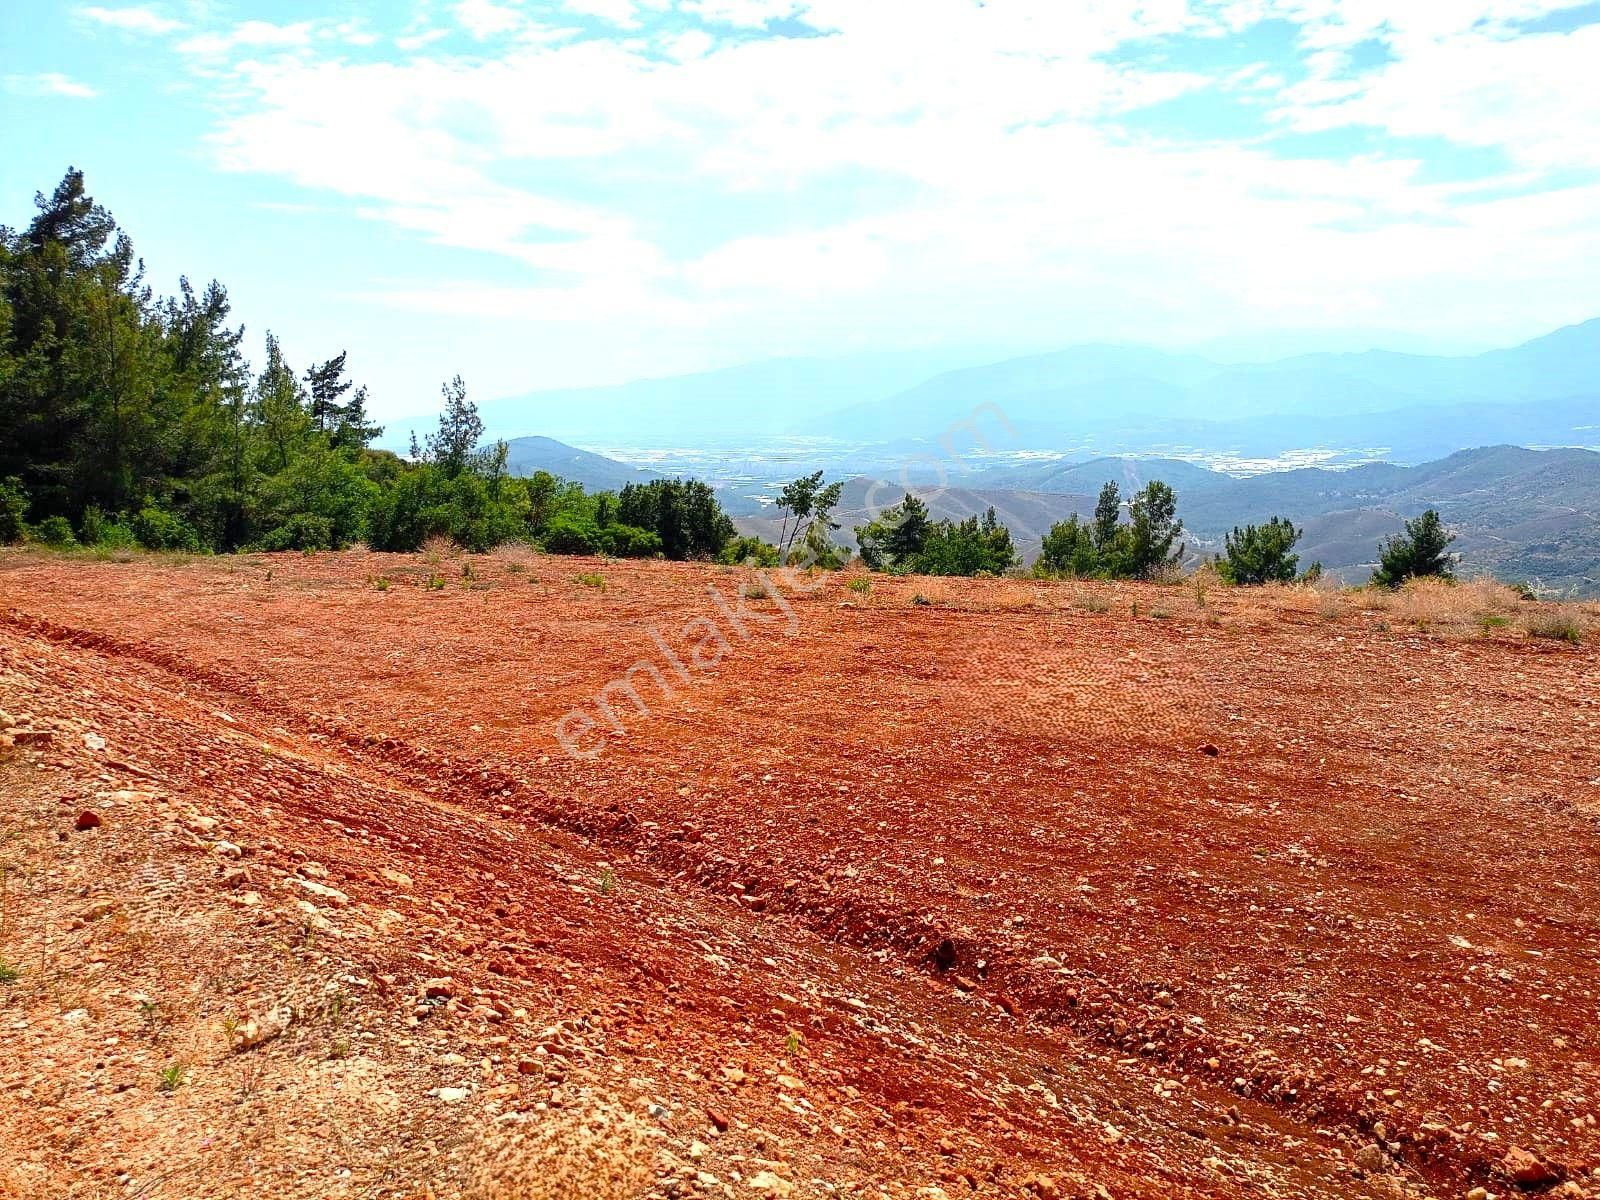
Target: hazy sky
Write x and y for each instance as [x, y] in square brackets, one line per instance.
[550, 193]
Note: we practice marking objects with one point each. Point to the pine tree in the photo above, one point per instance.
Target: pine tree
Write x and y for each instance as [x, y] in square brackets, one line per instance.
[455, 446]
[325, 383]
[1421, 551]
[1260, 554]
[279, 409]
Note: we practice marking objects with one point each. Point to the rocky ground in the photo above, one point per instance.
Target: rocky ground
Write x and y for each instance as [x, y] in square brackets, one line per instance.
[357, 875]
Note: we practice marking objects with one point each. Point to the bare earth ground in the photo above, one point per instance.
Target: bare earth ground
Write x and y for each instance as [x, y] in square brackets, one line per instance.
[939, 888]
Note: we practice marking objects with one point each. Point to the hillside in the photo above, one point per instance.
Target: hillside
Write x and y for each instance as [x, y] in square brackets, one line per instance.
[1520, 514]
[750, 400]
[1139, 399]
[1027, 514]
[954, 888]
[596, 472]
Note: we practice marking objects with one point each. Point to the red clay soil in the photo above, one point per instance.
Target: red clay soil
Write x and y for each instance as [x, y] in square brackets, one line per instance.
[978, 886]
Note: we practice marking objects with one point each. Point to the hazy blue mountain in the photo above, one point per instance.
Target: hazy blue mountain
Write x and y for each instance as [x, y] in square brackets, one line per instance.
[525, 455]
[1092, 399]
[1140, 399]
[1563, 363]
[753, 400]
[1129, 474]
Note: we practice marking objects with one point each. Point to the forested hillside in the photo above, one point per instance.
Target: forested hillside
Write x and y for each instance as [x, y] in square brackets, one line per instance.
[128, 418]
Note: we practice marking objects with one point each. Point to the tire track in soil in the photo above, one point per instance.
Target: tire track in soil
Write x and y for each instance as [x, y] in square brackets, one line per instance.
[1092, 1006]
[926, 1077]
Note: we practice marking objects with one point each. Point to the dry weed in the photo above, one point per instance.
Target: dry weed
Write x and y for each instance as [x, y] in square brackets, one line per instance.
[1454, 607]
[1557, 624]
[439, 548]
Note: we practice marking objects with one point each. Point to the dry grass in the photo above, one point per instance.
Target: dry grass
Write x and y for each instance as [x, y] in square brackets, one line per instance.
[1429, 603]
[438, 549]
[1562, 625]
[516, 557]
[599, 1153]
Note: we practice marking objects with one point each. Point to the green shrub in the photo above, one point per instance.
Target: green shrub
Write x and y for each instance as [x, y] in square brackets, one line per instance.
[55, 531]
[749, 550]
[629, 541]
[157, 529]
[13, 511]
[570, 533]
[1258, 554]
[1422, 551]
[302, 531]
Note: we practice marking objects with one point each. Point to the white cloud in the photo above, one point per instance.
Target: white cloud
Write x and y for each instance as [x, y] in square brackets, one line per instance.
[483, 19]
[49, 83]
[622, 13]
[1532, 97]
[747, 13]
[945, 167]
[249, 35]
[132, 20]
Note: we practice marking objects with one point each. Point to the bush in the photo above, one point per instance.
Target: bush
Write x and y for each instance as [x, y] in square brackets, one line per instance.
[1421, 552]
[749, 550]
[1260, 554]
[55, 531]
[629, 541]
[13, 511]
[302, 531]
[95, 529]
[1557, 626]
[480, 518]
[406, 514]
[569, 533]
[156, 529]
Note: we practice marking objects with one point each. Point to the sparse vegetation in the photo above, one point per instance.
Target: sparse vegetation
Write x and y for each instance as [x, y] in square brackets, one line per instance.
[1421, 552]
[902, 540]
[860, 585]
[1107, 548]
[1258, 554]
[1554, 626]
[172, 1077]
[8, 973]
[590, 579]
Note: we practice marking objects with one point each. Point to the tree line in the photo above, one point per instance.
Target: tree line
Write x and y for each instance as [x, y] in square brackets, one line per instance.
[128, 419]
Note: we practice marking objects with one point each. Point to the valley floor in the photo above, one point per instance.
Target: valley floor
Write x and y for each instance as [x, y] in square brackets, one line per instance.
[516, 876]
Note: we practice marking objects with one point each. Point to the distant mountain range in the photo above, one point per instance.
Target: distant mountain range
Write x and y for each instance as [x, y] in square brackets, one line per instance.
[1520, 514]
[1093, 400]
[753, 400]
[1409, 406]
[597, 473]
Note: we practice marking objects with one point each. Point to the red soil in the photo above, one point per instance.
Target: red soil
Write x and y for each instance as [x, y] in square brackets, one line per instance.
[1210, 902]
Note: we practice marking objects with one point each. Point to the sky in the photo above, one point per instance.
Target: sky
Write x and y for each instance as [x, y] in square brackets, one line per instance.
[563, 192]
